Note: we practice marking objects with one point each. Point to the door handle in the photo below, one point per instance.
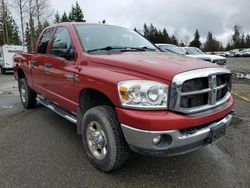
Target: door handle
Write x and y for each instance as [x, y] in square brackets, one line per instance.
[48, 65]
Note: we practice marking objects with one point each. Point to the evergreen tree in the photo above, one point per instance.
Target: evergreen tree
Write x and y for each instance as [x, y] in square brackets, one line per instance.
[248, 41]
[9, 31]
[174, 40]
[71, 14]
[76, 14]
[27, 38]
[182, 44]
[236, 37]
[145, 31]
[64, 17]
[242, 41]
[57, 18]
[15, 38]
[228, 47]
[196, 41]
[211, 43]
[166, 38]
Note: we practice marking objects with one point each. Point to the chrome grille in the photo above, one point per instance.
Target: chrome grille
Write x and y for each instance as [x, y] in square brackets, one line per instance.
[200, 90]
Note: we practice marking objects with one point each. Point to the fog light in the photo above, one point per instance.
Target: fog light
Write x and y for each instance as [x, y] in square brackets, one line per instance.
[157, 140]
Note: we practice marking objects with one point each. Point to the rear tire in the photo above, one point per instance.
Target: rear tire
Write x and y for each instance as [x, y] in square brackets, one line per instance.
[103, 139]
[27, 95]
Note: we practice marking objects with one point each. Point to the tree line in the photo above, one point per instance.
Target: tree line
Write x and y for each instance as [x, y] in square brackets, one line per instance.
[33, 18]
[238, 39]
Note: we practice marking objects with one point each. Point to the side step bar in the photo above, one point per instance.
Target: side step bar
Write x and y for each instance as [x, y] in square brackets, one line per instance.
[70, 117]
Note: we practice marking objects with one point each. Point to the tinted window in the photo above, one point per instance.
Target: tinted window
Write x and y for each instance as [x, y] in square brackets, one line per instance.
[42, 46]
[61, 40]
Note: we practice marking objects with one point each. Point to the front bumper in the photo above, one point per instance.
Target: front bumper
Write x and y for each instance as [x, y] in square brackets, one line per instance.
[173, 142]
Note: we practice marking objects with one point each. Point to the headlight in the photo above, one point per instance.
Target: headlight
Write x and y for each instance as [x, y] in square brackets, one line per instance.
[143, 94]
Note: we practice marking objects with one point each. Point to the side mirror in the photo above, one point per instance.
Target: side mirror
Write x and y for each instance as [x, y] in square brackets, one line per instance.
[59, 45]
[61, 49]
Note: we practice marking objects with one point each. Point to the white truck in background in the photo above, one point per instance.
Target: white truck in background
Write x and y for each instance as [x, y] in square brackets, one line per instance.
[6, 55]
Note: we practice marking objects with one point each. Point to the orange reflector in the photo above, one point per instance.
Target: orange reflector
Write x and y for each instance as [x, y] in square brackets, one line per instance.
[123, 93]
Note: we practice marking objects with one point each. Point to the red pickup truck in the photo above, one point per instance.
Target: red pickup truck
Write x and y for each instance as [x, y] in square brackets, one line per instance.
[123, 93]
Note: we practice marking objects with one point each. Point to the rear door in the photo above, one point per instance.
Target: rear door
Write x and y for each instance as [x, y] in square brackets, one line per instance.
[61, 71]
[38, 60]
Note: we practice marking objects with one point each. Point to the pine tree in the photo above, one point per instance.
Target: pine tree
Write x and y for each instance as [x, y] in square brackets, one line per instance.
[145, 31]
[196, 41]
[64, 17]
[76, 14]
[248, 41]
[228, 47]
[71, 16]
[174, 40]
[236, 37]
[211, 43]
[242, 41]
[9, 31]
[15, 38]
[182, 44]
[57, 18]
[166, 38]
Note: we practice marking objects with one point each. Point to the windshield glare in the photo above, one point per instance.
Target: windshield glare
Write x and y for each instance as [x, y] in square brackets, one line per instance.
[173, 49]
[193, 51]
[101, 36]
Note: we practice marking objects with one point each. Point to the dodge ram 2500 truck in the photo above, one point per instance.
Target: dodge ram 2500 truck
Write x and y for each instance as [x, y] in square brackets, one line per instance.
[123, 93]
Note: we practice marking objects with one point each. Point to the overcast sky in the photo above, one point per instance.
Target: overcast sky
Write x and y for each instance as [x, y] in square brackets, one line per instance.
[180, 17]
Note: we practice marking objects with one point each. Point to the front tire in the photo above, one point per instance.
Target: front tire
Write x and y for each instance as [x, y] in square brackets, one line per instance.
[103, 140]
[27, 95]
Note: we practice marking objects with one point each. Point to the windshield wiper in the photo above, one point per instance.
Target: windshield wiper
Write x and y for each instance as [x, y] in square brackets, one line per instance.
[122, 49]
[144, 48]
[107, 48]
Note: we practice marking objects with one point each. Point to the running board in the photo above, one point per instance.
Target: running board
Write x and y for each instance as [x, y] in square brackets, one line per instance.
[70, 117]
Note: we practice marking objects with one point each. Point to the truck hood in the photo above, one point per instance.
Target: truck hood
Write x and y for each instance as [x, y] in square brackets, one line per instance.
[157, 64]
[207, 57]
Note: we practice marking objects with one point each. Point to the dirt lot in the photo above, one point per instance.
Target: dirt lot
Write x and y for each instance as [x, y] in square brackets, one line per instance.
[38, 148]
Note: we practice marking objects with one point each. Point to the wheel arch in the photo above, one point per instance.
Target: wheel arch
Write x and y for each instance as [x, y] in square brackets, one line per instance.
[90, 98]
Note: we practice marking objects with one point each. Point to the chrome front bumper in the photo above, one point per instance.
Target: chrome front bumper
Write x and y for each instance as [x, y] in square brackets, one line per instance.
[173, 142]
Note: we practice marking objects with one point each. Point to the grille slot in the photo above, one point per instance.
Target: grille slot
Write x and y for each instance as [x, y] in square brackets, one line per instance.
[194, 100]
[195, 84]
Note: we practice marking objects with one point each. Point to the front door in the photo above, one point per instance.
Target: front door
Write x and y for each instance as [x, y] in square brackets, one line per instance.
[60, 71]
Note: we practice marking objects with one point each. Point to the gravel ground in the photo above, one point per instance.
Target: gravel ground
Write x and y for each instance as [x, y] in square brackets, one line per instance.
[38, 148]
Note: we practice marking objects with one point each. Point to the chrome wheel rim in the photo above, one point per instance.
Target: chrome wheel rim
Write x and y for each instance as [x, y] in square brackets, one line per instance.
[97, 141]
[23, 93]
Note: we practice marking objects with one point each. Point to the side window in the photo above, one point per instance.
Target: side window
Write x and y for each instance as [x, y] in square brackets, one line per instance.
[61, 41]
[42, 46]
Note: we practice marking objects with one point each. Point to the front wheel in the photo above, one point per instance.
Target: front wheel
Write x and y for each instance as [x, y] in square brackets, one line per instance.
[27, 95]
[103, 140]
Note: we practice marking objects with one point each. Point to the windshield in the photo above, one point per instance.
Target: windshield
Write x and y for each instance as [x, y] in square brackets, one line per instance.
[193, 51]
[172, 48]
[99, 38]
